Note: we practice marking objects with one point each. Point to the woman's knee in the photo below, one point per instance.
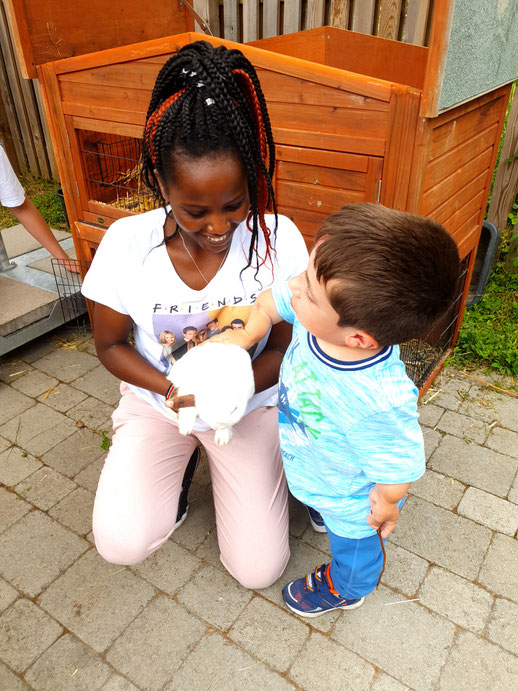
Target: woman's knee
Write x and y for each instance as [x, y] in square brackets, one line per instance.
[256, 576]
[125, 551]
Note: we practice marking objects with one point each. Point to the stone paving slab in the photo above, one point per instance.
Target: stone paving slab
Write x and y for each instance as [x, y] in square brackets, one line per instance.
[380, 630]
[48, 548]
[476, 664]
[444, 616]
[171, 633]
[25, 632]
[96, 600]
[68, 664]
[474, 465]
[442, 537]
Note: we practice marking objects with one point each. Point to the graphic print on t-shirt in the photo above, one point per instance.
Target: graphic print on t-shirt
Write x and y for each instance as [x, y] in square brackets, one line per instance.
[178, 333]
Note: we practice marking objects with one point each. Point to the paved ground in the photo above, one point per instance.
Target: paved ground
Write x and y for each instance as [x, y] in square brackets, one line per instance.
[445, 616]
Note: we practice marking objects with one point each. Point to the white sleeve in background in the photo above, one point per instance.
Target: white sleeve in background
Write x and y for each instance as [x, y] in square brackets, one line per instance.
[11, 191]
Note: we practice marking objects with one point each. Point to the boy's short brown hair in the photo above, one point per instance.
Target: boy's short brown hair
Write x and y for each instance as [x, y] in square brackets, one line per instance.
[393, 274]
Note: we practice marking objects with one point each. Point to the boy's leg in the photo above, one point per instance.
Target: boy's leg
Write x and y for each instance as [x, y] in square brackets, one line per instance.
[251, 499]
[353, 573]
[137, 497]
[356, 565]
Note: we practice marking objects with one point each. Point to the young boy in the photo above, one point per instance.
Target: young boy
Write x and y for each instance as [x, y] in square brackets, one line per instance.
[350, 439]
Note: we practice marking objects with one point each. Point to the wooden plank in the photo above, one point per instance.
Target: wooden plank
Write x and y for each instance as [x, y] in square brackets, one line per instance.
[321, 199]
[56, 122]
[328, 159]
[506, 178]
[309, 45]
[468, 236]
[48, 30]
[334, 142]
[376, 57]
[94, 125]
[339, 13]
[271, 18]
[419, 164]
[438, 194]
[49, 145]
[389, 16]
[458, 198]
[363, 16]
[315, 11]
[93, 94]
[374, 179]
[443, 166]
[209, 12]
[16, 92]
[11, 136]
[129, 117]
[446, 137]
[320, 176]
[250, 20]
[471, 210]
[138, 74]
[439, 39]
[324, 119]
[231, 19]
[292, 16]
[284, 88]
[105, 211]
[308, 222]
[36, 130]
[157, 50]
[416, 22]
[400, 144]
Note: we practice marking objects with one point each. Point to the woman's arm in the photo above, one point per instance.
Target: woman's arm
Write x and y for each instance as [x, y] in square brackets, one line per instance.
[31, 219]
[111, 332]
[267, 365]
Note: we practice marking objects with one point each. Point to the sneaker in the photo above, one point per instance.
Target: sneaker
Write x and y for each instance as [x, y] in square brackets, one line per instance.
[316, 520]
[314, 594]
[183, 502]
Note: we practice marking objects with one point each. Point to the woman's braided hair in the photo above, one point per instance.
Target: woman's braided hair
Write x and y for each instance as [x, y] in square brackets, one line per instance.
[206, 101]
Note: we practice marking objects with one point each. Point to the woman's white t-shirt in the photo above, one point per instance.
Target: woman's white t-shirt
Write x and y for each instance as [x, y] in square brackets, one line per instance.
[11, 191]
[132, 274]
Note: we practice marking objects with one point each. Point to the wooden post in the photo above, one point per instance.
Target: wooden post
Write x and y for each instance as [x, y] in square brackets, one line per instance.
[505, 185]
[231, 19]
[339, 13]
[271, 16]
[389, 19]
[250, 20]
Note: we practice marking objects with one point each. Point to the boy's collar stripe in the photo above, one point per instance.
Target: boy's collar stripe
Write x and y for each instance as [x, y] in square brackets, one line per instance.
[343, 365]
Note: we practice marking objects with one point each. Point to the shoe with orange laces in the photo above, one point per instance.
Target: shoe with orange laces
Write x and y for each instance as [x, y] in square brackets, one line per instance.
[314, 594]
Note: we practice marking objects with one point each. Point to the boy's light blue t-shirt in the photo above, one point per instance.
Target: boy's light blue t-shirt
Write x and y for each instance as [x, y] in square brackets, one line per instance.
[344, 426]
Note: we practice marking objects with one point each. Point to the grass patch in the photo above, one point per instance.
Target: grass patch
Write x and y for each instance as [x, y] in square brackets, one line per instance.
[43, 195]
[488, 338]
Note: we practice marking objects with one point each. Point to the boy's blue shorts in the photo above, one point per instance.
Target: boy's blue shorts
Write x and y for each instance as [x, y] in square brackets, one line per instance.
[356, 565]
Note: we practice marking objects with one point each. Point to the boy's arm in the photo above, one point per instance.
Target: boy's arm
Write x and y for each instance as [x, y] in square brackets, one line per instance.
[384, 506]
[262, 317]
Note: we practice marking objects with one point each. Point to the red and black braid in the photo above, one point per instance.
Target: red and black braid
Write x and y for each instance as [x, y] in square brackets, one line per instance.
[209, 101]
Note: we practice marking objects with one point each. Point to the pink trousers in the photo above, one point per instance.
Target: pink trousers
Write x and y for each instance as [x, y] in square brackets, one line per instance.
[137, 496]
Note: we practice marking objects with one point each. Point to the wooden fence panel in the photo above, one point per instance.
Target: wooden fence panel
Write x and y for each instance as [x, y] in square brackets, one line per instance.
[231, 19]
[417, 22]
[292, 16]
[315, 14]
[363, 16]
[251, 21]
[389, 17]
[505, 185]
[339, 13]
[271, 17]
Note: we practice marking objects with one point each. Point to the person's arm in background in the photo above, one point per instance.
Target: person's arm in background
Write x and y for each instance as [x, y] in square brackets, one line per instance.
[31, 219]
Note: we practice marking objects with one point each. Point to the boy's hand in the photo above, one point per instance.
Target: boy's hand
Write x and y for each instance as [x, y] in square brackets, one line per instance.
[237, 337]
[384, 510]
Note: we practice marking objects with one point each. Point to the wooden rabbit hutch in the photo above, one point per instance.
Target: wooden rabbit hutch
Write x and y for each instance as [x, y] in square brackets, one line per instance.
[355, 118]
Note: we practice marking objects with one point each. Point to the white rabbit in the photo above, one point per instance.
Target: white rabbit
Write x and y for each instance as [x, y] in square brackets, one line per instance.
[220, 377]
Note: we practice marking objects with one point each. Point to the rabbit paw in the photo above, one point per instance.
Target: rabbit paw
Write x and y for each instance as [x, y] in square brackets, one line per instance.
[223, 436]
[186, 420]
